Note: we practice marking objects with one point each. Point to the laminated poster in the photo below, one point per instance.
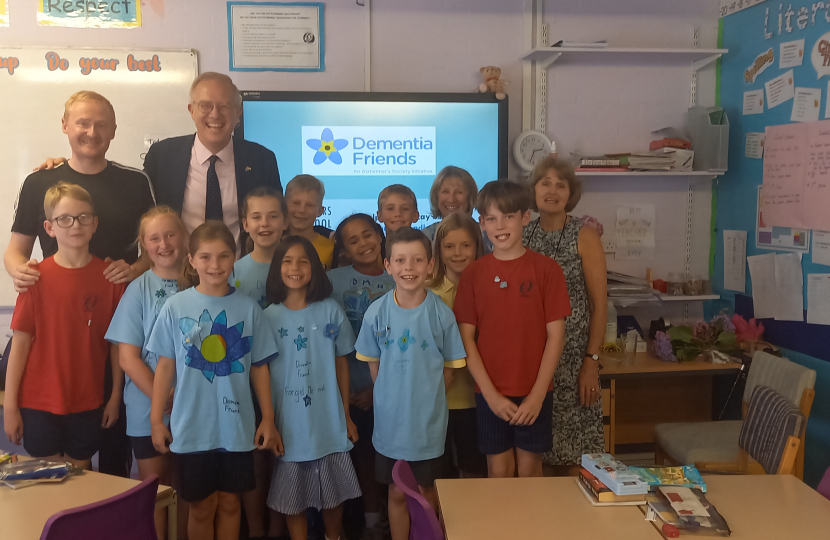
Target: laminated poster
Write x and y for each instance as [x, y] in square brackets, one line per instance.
[98, 14]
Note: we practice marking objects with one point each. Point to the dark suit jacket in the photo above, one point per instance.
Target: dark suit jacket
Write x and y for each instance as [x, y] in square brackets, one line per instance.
[168, 162]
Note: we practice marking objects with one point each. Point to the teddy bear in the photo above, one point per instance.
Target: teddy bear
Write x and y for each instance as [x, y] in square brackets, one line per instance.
[492, 83]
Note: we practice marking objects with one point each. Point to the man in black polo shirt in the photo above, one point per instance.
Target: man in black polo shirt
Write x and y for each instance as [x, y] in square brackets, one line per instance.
[121, 196]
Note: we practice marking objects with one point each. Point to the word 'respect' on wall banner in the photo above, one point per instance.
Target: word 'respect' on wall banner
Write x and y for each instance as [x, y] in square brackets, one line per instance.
[89, 13]
[272, 36]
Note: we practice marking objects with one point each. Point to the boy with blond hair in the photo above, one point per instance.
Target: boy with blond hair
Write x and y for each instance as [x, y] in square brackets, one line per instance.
[54, 394]
[397, 207]
[304, 196]
[511, 307]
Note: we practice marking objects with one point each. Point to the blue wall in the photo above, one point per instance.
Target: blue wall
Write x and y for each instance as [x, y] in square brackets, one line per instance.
[744, 36]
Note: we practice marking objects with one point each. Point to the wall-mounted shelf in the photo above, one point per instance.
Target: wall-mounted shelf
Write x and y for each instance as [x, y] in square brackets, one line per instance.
[649, 173]
[698, 57]
[665, 298]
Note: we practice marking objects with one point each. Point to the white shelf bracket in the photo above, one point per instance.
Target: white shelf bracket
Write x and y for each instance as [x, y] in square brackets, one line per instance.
[703, 62]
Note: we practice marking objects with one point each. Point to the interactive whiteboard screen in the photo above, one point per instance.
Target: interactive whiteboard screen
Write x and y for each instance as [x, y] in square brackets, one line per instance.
[359, 143]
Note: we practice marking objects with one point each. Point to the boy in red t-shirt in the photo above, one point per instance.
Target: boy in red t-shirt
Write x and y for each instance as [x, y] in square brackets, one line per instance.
[55, 377]
[511, 307]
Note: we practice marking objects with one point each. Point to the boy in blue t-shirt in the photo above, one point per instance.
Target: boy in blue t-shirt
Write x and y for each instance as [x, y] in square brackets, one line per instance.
[412, 343]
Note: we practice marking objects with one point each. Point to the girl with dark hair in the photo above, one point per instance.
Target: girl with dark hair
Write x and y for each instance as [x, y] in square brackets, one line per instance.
[360, 240]
[310, 387]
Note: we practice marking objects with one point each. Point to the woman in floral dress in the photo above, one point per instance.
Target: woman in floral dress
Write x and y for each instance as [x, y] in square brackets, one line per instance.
[577, 405]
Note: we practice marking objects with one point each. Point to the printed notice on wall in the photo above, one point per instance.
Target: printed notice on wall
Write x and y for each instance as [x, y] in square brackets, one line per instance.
[635, 232]
[821, 247]
[818, 298]
[754, 102]
[792, 54]
[276, 37]
[797, 175]
[789, 287]
[734, 260]
[762, 274]
[755, 145]
[806, 105]
[780, 89]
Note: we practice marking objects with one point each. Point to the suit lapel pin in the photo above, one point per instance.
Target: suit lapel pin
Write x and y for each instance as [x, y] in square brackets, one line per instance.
[247, 169]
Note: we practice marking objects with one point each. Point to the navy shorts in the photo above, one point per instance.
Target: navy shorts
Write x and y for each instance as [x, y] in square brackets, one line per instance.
[496, 436]
[143, 447]
[205, 473]
[462, 442]
[76, 435]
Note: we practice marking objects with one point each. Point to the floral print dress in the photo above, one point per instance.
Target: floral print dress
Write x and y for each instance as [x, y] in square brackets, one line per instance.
[576, 429]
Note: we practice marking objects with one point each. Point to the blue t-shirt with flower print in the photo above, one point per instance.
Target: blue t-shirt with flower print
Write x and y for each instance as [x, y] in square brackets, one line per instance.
[214, 340]
[307, 403]
[413, 347]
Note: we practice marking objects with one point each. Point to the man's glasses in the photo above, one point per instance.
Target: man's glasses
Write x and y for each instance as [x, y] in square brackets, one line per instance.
[206, 107]
[64, 222]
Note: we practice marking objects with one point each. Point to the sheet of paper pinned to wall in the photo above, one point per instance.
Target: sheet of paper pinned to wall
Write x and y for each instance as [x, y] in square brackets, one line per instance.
[792, 54]
[789, 287]
[818, 298]
[784, 149]
[762, 274]
[821, 247]
[734, 260]
[797, 175]
[780, 89]
[755, 145]
[635, 232]
[827, 104]
[754, 102]
[806, 105]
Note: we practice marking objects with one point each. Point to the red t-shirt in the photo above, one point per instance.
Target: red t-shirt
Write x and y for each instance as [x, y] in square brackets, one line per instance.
[67, 312]
[510, 319]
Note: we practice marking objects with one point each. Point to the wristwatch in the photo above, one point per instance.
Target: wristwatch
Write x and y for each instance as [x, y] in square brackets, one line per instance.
[595, 357]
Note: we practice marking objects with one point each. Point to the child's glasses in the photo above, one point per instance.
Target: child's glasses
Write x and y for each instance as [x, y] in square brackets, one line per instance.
[64, 222]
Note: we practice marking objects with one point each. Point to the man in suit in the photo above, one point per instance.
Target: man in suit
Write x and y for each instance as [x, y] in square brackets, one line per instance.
[207, 175]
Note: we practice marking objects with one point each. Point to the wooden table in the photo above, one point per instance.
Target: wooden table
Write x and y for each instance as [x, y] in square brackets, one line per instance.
[773, 507]
[505, 508]
[640, 391]
[756, 507]
[24, 511]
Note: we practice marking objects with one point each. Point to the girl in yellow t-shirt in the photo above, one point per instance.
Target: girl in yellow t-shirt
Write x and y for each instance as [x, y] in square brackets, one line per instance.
[457, 243]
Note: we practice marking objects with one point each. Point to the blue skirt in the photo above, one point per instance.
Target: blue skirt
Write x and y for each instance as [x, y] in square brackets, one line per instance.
[322, 483]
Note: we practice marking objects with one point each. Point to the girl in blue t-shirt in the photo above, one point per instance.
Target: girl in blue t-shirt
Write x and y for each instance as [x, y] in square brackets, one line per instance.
[162, 236]
[216, 343]
[310, 387]
[263, 214]
[264, 218]
[360, 240]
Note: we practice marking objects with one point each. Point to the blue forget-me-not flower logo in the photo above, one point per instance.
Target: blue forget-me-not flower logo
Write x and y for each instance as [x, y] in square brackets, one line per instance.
[327, 147]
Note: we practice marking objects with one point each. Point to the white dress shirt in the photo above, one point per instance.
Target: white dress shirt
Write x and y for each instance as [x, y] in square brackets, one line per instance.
[193, 206]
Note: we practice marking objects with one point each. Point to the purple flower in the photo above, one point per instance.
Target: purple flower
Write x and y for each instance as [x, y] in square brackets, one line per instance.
[662, 349]
[728, 326]
[700, 330]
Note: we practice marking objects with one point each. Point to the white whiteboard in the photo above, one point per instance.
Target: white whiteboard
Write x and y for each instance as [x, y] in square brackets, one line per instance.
[149, 105]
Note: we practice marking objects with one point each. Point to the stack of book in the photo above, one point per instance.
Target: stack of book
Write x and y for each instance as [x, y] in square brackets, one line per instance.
[650, 162]
[598, 494]
[617, 476]
[600, 164]
[624, 286]
[687, 510]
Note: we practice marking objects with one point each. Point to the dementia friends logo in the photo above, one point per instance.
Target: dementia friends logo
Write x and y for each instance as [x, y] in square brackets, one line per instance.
[368, 150]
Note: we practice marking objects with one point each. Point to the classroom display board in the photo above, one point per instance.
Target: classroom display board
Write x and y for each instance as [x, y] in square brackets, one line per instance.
[149, 90]
[774, 86]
